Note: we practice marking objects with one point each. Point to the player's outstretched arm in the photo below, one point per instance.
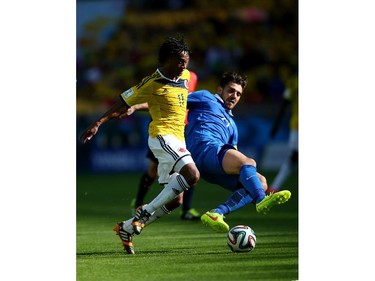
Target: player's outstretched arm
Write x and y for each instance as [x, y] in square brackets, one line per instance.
[118, 109]
[134, 108]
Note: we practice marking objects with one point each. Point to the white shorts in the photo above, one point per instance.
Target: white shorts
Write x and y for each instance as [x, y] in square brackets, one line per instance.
[171, 154]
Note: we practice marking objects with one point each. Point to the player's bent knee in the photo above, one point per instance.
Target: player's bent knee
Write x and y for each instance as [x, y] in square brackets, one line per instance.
[252, 162]
[191, 174]
[195, 178]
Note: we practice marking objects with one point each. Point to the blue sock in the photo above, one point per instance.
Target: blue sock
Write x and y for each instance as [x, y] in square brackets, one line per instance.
[222, 209]
[236, 200]
[251, 182]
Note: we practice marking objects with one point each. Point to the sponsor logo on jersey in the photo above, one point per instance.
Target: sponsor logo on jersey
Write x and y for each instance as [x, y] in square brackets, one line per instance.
[128, 93]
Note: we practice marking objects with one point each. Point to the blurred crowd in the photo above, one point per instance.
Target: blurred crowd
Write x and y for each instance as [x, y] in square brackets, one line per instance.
[258, 38]
[255, 37]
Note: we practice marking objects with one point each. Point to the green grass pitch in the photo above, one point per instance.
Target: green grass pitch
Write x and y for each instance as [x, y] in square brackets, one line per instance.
[172, 249]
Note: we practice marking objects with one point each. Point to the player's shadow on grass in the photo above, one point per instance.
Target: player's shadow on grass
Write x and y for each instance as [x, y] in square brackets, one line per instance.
[89, 254]
[152, 252]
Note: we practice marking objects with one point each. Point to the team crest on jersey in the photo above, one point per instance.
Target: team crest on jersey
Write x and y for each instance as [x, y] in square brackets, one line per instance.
[182, 149]
[128, 93]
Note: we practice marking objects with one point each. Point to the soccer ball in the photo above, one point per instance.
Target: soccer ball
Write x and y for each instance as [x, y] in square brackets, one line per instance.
[241, 238]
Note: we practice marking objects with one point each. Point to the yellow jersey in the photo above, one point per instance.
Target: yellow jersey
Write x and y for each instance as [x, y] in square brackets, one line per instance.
[166, 100]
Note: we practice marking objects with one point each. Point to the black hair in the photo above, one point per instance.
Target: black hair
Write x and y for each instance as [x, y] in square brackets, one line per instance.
[172, 47]
[234, 77]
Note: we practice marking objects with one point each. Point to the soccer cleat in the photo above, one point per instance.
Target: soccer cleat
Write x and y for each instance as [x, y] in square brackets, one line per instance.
[215, 221]
[264, 206]
[191, 215]
[140, 218]
[126, 238]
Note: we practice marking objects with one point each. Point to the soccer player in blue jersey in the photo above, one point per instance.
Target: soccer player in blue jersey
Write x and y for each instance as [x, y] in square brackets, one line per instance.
[164, 94]
[211, 137]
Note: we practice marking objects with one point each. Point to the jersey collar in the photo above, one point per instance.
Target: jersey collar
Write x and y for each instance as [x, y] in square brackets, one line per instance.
[222, 102]
[165, 77]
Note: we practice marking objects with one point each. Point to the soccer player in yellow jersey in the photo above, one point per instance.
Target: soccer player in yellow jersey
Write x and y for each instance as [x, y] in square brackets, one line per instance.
[151, 175]
[164, 94]
[290, 99]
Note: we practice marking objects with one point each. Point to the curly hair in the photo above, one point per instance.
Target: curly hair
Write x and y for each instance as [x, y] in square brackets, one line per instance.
[172, 47]
[234, 77]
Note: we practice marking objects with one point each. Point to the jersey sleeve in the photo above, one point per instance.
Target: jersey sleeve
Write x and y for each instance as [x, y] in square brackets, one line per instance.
[137, 94]
[195, 98]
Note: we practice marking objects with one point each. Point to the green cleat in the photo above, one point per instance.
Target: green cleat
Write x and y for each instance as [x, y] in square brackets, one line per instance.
[271, 200]
[215, 221]
[190, 215]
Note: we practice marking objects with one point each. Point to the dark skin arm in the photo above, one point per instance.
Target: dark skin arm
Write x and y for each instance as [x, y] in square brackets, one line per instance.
[134, 108]
[119, 109]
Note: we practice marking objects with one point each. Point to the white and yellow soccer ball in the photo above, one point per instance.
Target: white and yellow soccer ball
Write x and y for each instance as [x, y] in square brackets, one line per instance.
[241, 238]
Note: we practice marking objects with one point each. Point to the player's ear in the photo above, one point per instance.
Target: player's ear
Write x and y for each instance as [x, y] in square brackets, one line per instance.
[219, 90]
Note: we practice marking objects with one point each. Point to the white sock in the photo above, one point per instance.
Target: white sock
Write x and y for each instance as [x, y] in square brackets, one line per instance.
[176, 185]
[128, 226]
[162, 211]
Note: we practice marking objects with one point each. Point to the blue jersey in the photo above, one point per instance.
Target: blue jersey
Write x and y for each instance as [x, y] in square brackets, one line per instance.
[210, 128]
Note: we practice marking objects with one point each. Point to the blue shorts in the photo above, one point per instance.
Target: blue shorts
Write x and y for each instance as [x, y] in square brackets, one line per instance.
[209, 164]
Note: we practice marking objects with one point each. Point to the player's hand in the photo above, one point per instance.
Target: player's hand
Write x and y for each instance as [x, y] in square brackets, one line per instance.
[129, 112]
[89, 132]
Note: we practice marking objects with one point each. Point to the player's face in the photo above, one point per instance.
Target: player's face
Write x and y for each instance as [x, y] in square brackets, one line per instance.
[174, 66]
[230, 94]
